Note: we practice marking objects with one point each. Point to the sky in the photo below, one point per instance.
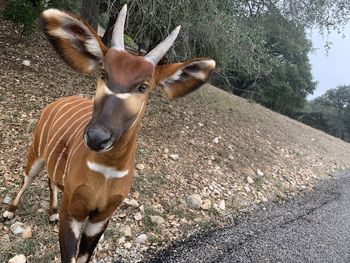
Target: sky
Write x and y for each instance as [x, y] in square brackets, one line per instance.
[332, 69]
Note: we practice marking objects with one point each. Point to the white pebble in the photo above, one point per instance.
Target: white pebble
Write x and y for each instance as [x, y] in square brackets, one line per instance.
[7, 200]
[141, 238]
[18, 259]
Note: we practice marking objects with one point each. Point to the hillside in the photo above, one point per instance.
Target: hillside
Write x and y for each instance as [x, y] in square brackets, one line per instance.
[232, 152]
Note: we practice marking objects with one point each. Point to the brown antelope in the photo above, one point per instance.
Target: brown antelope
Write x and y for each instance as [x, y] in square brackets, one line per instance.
[88, 145]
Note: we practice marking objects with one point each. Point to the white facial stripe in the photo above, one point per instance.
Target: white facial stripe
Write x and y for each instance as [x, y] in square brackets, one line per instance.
[108, 172]
[92, 229]
[122, 96]
[76, 226]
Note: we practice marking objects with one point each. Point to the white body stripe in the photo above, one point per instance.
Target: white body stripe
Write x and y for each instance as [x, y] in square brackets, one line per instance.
[92, 229]
[64, 149]
[79, 129]
[65, 113]
[44, 125]
[70, 156]
[108, 172]
[63, 126]
[34, 135]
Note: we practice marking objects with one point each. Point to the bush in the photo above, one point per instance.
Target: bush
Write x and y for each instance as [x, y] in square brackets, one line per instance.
[23, 12]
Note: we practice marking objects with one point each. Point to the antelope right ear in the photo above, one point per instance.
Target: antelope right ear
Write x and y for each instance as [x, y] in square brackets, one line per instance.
[179, 79]
[74, 39]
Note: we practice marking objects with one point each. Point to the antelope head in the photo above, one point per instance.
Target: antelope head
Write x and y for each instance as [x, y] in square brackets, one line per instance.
[127, 80]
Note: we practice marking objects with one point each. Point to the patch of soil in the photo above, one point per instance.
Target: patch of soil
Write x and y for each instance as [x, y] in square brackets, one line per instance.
[229, 150]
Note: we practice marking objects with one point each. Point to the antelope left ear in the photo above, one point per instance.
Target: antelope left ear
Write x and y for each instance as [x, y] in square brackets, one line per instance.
[179, 79]
[73, 39]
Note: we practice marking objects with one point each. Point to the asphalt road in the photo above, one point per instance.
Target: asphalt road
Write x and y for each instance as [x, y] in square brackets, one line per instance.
[312, 228]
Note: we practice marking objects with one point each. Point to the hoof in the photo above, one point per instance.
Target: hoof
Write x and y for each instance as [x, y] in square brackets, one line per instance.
[7, 215]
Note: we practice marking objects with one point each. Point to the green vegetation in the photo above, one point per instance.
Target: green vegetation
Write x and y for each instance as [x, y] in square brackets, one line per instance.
[329, 112]
[23, 13]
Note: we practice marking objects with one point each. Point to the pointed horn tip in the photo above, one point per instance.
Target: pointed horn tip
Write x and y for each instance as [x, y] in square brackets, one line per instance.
[124, 8]
[177, 29]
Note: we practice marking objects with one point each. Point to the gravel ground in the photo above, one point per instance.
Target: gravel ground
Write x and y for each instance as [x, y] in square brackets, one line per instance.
[314, 227]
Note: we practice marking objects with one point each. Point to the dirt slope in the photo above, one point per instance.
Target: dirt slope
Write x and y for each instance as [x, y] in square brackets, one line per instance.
[231, 152]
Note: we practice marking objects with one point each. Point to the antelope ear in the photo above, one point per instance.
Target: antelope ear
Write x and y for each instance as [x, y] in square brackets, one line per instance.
[179, 79]
[74, 39]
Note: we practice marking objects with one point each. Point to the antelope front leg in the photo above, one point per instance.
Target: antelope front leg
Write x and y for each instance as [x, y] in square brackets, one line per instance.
[94, 229]
[72, 216]
[89, 239]
[69, 234]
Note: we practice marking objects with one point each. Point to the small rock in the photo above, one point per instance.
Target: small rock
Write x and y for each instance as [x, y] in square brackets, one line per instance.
[126, 231]
[183, 221]
[5, 238]
[141, 238]
[135, 195]
[157, 219]
[26, 63]
[166, 150]
[131, 202]
[200, 124]
[121, 240]
[259, 172]
[7, 200]
[216, 139]
[27, 233]
[250, 180]
[206, 204]
[194, 201]
[198, 220]
[18, 259]
[122, 215]
[138, 216]
[247, 188]
[174, 157]
[140, 166]
[231, 157]
[127, 245]
[222, 205]
[17, 228]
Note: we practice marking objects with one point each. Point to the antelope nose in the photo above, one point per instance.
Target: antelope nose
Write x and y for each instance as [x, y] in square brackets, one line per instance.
[97, 138]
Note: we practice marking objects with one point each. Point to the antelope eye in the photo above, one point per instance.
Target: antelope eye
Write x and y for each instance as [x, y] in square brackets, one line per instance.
[142, 88]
